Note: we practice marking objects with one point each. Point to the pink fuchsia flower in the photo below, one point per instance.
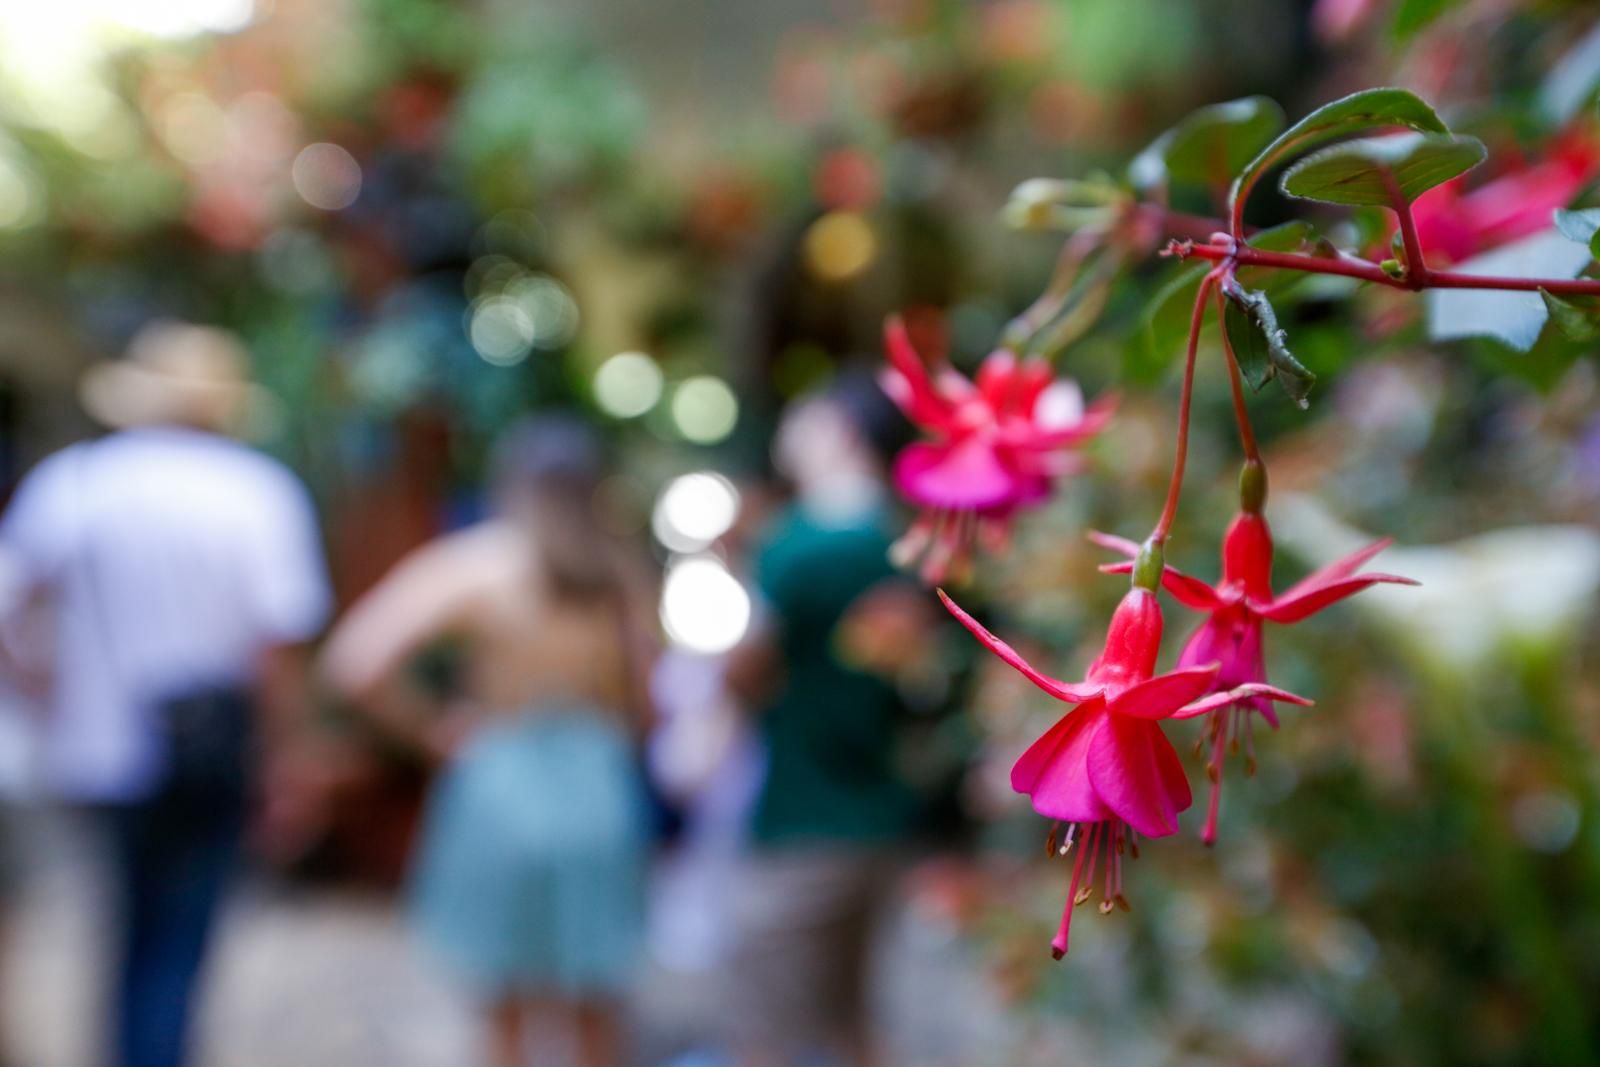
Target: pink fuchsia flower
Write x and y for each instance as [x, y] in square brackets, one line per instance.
[996, 444]
[1231, 635]
[1105, 768]
[1457, 223]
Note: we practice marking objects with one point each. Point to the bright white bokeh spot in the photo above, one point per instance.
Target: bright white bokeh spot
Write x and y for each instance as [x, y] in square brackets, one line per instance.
[703, 606]
[627, 385]
[551, 311]
[1059, 406]
[182, 18]
[501, 331]
[704, 409]
[694, 510]
[326, 176]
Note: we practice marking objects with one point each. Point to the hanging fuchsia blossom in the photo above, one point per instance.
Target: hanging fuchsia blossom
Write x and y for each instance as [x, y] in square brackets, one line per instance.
[1456, 222]
[1231, 635]
[996, 444]
[1105, 768]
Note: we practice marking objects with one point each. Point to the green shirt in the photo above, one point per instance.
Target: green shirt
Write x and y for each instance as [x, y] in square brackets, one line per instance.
[831, 730]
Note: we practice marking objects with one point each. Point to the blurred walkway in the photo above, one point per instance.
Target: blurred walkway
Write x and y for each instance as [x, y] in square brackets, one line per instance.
[314, 979]
[329, 979]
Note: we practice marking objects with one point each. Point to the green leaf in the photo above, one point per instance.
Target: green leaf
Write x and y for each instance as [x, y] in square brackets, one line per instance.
[1513, 317]
[1581, 226]
[1355, 172]
[1166, 318]
[1576, 317]
[1366, 110]
[1259, 345]
[1208, 146]
[1284, 237]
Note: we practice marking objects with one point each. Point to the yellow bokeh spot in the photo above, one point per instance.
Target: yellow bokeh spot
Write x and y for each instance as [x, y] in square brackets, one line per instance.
[839, 246]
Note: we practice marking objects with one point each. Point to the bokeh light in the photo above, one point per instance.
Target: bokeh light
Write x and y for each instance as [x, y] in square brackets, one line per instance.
[500, 330]
[181, 18]
[694, 510]
[326, 176]
[704, 409]
[627, 385]
[703, 606]
[551, 311]
[193, 127]
[839, 246]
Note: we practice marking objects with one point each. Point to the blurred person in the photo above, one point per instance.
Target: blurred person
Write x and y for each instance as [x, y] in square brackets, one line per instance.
[530, 870]
[833, 816]
[182, 571]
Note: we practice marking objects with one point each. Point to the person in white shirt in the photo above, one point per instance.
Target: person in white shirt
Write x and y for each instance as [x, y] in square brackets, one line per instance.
[181, 569]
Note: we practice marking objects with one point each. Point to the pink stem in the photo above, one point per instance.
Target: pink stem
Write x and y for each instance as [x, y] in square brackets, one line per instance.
[1416, 266]
[1181, 457]
[1355, 267]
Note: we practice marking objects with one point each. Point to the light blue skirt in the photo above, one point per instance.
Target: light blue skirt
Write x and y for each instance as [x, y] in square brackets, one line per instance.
[531, 866]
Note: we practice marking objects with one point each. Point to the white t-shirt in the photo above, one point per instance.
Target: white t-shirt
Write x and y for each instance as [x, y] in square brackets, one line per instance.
[176, 558]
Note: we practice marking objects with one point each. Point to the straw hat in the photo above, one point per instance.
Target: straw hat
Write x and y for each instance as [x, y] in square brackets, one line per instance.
[175, 373]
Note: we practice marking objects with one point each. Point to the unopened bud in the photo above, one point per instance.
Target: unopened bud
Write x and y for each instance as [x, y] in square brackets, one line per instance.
[1252, 487]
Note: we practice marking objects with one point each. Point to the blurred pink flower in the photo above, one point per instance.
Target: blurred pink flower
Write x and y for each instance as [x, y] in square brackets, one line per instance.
[996, 444]
[1105, 768]
[1457, 223]
[1231, 635]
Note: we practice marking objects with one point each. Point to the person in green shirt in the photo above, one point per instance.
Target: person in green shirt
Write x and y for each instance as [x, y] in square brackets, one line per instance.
[833, 815]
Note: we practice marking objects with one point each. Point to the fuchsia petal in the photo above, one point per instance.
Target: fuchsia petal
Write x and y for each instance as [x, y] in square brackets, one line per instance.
[920, 400]
[1211, 642]
[1287, 609]
[1159, 697]
[1072, 694]
[1114, 543]
[1054, 771]
[959, 477]
[997, 379]
[1170, 767]
[1127, 775]
[1236, 695]
[1094, 420]
[1033, 378]
[1333, 572]
[1186, 589]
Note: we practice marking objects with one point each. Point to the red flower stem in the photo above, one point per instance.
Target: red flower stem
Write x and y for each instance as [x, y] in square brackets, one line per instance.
[1181, 456]
[1241, 415]
[1416, 267]
[1355, 267]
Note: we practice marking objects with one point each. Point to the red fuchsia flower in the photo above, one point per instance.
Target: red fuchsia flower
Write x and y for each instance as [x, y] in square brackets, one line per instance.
[996, 444]
[1457, 223]
[1105, 768]
[1231, 635]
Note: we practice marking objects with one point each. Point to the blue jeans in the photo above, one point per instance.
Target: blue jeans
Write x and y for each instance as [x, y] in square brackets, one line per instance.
[173, 863]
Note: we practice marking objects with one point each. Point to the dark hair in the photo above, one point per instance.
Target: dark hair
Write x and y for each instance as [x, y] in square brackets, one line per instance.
[545, 472]
[856, 393]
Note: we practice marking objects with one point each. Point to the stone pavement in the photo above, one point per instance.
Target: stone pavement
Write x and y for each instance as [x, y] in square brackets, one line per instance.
[317, 978]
